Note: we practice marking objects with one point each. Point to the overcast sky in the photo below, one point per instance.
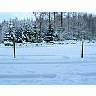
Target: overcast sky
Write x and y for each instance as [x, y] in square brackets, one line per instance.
[19, 15]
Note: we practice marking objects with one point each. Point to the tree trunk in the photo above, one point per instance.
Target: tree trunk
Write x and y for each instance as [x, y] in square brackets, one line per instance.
[61, 18]
[68, 21]
[54, 20]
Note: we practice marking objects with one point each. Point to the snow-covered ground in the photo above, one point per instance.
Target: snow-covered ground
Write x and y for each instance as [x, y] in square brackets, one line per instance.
[47, 64]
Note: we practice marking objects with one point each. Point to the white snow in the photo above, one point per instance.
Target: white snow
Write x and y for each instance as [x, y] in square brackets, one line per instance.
[47, 64]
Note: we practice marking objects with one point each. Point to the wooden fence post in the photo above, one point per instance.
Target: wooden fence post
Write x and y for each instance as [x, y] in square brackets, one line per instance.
[14, 45]
[82, 49]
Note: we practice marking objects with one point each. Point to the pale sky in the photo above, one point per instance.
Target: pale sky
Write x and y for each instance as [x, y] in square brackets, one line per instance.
[19, 15]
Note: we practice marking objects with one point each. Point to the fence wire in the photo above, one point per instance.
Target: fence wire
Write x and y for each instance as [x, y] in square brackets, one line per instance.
[51, 50]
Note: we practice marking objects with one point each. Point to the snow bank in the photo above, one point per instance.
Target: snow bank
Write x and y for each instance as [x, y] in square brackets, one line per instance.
[57, 64]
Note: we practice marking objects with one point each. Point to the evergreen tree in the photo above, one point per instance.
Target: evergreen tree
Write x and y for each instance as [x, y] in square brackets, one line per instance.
[50, 34]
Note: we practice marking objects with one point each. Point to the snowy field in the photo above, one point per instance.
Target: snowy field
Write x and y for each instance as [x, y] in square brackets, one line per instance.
[47, 64]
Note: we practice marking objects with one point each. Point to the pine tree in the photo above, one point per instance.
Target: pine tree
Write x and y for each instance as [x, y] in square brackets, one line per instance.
[50, 34]
[0, 32]
[8, 33]
[34, 33]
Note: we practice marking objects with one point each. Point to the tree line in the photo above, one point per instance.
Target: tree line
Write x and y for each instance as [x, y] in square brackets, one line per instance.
[50, 26]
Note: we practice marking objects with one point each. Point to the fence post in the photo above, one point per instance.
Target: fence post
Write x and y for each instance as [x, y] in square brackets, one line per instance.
[14, 45]
[82, 49]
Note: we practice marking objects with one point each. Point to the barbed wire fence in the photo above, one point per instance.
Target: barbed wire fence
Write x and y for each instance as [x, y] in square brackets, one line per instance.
[79, 50]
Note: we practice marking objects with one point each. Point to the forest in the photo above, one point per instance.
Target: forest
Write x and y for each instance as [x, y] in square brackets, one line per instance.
[50, 26]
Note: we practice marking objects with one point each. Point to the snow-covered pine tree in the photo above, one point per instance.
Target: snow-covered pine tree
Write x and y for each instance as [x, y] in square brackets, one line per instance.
[0, 32]
[8, 31]
[18, 30]
[50, 34]
[35, 34]
[25, 30]
[61, 30]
